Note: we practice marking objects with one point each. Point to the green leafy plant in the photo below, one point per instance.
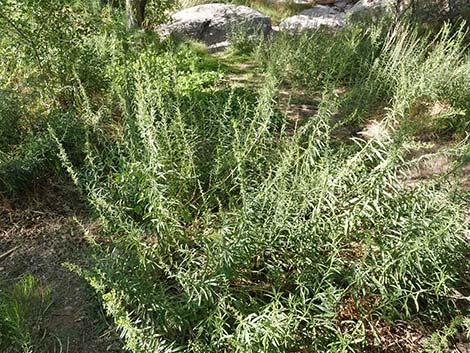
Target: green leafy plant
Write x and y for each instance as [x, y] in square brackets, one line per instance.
[225, 225]
[442, 340]
[224, 230]
[23, 307]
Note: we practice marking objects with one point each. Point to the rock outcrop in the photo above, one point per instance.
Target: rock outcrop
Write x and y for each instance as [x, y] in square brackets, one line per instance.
[214, 23]
[363, 6]
[314, 18]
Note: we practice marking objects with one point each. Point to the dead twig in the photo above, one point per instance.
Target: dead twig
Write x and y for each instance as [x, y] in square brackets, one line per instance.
[9, 252]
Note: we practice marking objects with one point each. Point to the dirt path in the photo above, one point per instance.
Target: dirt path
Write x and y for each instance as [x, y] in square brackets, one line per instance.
[37, 237]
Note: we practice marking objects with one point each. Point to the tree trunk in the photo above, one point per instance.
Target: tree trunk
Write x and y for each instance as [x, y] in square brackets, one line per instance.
[135, 12]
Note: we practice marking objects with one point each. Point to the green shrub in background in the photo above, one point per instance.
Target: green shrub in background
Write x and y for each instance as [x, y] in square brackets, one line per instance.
[48, 51]
[384, 66]
[44, 41]
[10, 115]
[53, 55]
[158, 12]
[34, 158]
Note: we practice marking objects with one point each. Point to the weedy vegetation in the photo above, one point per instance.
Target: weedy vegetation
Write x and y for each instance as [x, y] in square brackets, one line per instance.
[225, 225]
[22, 310]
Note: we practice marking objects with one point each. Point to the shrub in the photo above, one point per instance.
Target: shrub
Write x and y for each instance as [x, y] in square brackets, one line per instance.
[383, 67]
[223, 231]
[49, 51]
[225, 227]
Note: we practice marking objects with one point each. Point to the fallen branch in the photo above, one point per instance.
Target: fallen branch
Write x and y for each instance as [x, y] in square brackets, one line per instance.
[9, 252]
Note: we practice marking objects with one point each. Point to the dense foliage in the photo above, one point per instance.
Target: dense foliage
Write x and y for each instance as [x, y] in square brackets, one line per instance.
[224, 225]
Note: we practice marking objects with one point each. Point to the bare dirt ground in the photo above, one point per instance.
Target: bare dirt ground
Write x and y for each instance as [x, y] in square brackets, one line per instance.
[37, 236]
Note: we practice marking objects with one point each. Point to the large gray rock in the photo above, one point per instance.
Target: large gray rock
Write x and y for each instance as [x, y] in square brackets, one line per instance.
[214, 23]
[314, 18]
[367, 6]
